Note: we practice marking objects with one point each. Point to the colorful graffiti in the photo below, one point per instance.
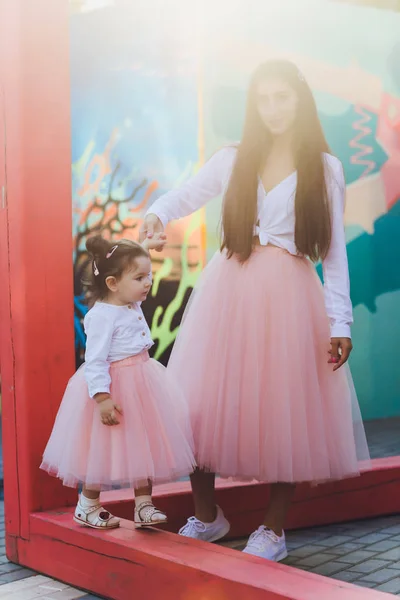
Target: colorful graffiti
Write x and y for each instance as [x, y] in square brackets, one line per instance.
[152, 103]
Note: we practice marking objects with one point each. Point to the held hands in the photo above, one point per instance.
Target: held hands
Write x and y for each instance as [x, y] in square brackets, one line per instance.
[108, 409]
[150, 228]
[340, 351]
[157, 242]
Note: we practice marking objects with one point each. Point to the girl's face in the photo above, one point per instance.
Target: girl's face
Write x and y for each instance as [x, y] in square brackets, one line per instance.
[277, 104]
[134, 285]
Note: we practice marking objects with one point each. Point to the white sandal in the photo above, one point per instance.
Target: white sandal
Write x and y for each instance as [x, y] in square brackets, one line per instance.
[147, 515]
[95, 516]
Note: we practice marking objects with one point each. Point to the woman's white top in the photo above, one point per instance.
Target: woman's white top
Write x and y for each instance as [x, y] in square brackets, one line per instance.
[113, 333]
[276, 218]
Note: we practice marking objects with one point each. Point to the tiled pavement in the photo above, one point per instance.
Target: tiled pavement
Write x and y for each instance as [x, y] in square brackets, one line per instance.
[366, 553]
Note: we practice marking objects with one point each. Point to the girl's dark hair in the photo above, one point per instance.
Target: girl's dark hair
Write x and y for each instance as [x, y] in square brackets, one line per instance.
[313, 220]
[109, 259]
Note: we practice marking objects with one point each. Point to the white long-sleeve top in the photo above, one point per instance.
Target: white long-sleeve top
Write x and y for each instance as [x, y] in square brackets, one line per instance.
[276, 218]
[113, 333]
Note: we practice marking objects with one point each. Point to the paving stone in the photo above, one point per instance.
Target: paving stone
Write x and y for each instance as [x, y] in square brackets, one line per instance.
[343, 549]
[290, 561]
[69, 594]
[356, 557]
[395, 530]
[383, 546]
[294, 545]
[306, 551]
[304, 568]
[16, 575]
[359, 533]
[348, 576]
[335, 540]
[308, 538]
[366, 584]
[391, 554]
[373, 538]
[369, 566]
[35, 593]
[315, 560]
[51, 587]
[380, 576]
[328, 568]
[30, 582]
[9, 568]
[330, 530]
[391, 587]
[369, 524]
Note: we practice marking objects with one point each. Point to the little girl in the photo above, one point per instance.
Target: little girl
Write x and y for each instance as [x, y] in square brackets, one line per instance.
[123, 420]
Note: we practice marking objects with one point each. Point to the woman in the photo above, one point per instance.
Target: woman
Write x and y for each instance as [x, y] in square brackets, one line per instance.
[262, 346]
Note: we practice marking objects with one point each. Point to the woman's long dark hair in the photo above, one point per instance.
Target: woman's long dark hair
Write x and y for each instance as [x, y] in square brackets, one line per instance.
[313, 221]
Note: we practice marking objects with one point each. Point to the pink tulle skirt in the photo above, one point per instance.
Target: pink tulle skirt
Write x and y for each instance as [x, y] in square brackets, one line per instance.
[251, 358]
[152, 442]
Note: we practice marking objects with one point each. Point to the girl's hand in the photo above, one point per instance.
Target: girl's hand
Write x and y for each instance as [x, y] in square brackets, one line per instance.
[109, 410]
[151, 226]
[340, 351]
[157, 242]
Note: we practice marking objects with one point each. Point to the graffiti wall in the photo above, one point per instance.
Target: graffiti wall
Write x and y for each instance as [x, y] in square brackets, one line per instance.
[156, 90]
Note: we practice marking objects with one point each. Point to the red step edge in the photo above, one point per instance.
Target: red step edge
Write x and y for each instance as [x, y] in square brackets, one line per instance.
[127, 563]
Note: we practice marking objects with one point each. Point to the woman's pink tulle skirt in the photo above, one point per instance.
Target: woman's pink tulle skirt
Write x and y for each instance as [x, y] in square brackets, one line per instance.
[251, 358]
[153, 440]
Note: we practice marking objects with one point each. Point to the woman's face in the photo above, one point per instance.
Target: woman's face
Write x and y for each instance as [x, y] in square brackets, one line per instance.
[277, 105]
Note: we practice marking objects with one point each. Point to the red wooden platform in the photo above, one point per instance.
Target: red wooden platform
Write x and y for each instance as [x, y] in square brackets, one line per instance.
[159, 564]
[37, 357]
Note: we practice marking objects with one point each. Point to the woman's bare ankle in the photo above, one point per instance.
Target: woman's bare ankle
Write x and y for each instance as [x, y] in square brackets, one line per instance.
[206, 514]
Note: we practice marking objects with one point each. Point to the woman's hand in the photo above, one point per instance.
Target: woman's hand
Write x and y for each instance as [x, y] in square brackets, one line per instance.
[151, 225]
[108, 409]
[157, 242]
[340, 351]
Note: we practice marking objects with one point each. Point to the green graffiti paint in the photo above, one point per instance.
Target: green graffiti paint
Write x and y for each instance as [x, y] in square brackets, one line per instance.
[163, 316]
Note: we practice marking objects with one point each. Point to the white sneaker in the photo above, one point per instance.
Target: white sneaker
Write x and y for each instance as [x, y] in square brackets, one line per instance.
[208, 532]
[266, 544]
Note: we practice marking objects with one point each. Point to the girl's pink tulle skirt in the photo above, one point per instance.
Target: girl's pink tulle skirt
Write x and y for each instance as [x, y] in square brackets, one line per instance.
[251, 358]
[153, 440]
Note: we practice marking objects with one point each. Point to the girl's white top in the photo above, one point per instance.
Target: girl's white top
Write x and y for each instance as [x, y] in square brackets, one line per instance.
[276, 218]
[113, 333]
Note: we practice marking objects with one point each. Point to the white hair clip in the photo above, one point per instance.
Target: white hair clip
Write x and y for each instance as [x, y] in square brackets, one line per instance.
[95, 269]
[300, 76]
[112, 250]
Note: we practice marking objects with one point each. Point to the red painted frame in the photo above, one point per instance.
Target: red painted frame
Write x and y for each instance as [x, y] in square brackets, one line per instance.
[35, 300]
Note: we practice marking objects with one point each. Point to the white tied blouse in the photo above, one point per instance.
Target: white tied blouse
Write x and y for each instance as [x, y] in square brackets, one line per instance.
[113, 333]
[276, 218]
